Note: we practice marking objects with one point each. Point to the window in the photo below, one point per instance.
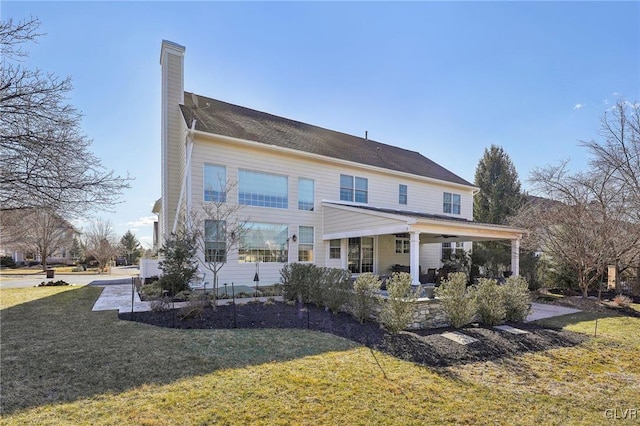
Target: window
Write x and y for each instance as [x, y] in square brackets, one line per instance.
[447, 250]
[354, 189]
[451, 203]
[215, 246]
[215, 180]
[402, 243]
[264, 242]
[334, 249]
[305, 194]
[305, 244]
[263, 189]
[402, 194]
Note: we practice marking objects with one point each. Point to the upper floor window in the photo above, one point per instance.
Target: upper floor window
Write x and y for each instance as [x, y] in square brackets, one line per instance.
[305, 244]
[215, 180]
[263, 189]
[305, 194]
[215, 249]
[353, 188]
[402, 194]
[264, 242]
[451, 203]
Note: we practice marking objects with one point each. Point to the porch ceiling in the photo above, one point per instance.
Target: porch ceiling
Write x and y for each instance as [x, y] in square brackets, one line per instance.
[347, 221]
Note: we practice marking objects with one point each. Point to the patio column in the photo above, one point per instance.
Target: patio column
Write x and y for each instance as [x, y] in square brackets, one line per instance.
[515, 257]
[414, 257]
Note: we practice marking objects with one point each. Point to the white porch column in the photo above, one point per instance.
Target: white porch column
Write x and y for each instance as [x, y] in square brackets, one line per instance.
[344, 253]
[414, 257]
[515, 257]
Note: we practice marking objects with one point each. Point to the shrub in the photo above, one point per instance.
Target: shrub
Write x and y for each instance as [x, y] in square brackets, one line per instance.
[58, 283]
[490, 301]
[622, 301]
[196, 303]
[179, 265]
[161, 304]
[364, 295]
[313, 290]
[151, 291]
[293, 279]
[397, 310]
[459, 304]
[7, 262]
[337, 288]
[517, 299]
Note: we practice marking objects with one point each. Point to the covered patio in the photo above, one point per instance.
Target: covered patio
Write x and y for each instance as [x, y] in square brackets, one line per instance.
[347, 222]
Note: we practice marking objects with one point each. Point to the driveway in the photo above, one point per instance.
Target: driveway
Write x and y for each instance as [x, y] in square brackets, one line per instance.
[543, 310]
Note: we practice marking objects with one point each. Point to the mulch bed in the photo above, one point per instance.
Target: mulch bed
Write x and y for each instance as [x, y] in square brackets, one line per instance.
[426, 347]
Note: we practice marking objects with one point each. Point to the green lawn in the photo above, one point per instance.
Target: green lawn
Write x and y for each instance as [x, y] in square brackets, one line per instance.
[63, 364]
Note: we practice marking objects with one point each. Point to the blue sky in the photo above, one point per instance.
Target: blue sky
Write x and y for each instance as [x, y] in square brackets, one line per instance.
[445, 79]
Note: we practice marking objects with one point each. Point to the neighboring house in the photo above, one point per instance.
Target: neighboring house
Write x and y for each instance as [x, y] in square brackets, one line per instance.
[27, 233]
[311, 194]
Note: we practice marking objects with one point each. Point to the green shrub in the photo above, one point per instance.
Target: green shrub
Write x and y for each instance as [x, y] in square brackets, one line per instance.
[365, 296]
[397, 310]
[293, 278]
[458, 302]
[312, 285]
[179, 266]
[151, 291]
[7, 262]
[337, 288]
[517, 299]
[490, 301]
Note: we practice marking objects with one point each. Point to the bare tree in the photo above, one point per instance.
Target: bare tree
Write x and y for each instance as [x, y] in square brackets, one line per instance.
[579, 222]
[45, 161]
[217, 229]
[37, 230]
[100, 241]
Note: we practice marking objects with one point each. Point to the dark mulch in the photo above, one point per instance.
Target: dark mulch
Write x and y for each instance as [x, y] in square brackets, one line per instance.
[425, 347]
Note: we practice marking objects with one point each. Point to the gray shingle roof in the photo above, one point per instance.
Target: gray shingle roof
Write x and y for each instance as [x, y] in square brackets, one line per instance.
[226, 119]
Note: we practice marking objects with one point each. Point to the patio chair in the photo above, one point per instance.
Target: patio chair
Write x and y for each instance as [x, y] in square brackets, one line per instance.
[199, 282]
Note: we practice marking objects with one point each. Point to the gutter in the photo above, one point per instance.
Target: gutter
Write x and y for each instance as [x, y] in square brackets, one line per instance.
[186, 178]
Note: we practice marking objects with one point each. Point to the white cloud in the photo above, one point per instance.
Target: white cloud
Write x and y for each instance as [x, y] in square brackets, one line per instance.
[146, 241]
[579, 106]
[142, 222]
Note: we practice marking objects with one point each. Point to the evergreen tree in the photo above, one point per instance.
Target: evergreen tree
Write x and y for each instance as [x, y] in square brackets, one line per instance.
[499, 198]
[131, 247]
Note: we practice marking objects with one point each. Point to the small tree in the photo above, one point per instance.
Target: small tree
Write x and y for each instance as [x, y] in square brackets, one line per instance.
[458, 302]
[365, 296]
[217, 229]
[101, 243]
[397, 311]
[179, 265]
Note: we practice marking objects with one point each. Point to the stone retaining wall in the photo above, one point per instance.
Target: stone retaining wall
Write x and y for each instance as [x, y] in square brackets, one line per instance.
[428, 314]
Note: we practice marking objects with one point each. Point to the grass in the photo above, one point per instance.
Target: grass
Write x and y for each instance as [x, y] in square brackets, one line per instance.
[62, 364]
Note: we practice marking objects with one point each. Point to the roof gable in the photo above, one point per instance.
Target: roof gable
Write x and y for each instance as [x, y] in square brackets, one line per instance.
[222, 118]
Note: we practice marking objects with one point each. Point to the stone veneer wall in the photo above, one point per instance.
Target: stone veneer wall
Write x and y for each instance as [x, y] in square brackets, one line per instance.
[428, 314]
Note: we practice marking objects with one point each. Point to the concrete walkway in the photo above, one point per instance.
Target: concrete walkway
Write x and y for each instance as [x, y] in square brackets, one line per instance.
[118, 297]
[543, 310]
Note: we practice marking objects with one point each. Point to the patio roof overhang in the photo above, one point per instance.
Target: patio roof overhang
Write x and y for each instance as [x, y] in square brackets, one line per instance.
[345, 220]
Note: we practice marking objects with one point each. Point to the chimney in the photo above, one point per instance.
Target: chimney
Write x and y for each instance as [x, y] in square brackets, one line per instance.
[172, 65]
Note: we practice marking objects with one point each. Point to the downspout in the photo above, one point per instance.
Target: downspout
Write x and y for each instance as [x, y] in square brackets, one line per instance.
[186, 177]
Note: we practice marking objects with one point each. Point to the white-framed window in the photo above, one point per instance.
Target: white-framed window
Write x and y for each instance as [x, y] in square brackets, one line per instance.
[402, 194]
[402, 243]
[354, 188]
[305, 243]
[264, 242]
[450, 249]
[263, 189]
[215, 247]
[305, 194]
[335, 248]
[215, 180]
[451, 203]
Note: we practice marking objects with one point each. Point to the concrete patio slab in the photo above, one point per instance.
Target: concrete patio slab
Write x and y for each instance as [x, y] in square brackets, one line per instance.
[543, 310]
[458, 337]
[509, 329]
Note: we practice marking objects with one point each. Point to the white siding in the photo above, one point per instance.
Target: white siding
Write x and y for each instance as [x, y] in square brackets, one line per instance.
[383, 192]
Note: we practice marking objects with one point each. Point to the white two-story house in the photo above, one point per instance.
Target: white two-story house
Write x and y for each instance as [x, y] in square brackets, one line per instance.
[310, 194]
